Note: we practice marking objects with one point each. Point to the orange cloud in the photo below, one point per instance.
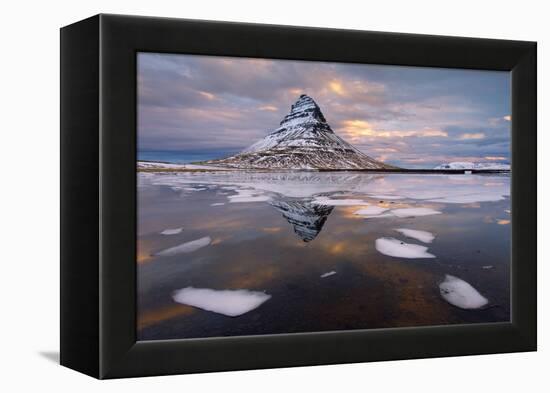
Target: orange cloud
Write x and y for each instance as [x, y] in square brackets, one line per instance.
[360, 128]
[336, 87]
[495, 158]
[477, 135]
[507, 118]
[270, 108]
[208, 96]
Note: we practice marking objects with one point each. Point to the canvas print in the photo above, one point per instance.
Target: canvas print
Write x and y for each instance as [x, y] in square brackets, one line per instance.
[281, 196]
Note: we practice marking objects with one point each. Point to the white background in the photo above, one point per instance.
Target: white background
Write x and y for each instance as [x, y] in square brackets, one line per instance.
[29, 219]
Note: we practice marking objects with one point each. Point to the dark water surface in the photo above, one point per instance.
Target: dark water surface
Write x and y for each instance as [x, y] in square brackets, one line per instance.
[285, 239]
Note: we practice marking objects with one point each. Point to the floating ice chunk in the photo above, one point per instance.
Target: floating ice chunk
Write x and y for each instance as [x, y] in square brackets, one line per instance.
[217, 204]
[414, 212]
[194, 188]
[370, 211]
[338, 202]
[423, 236]
[486, 267]
[380, 215]
[396, 248]
[227, 302]
[469, 198]
[389, 197]
[508, 211]
[248, 196]
[257, 198]
[171, 231]
[461, 294]
[328, 274]
[186, 247]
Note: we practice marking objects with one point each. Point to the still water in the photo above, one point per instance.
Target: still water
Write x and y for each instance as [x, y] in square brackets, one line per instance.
[305, 246]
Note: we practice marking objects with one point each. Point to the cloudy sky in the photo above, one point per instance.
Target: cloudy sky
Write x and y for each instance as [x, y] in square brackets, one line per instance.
[407, 116]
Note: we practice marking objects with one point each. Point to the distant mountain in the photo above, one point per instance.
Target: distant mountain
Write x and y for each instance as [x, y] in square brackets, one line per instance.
[304, 140]
[474, 165]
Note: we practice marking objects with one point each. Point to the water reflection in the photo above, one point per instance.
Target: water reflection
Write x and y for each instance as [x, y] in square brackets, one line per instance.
[306, 217]
[283, 242]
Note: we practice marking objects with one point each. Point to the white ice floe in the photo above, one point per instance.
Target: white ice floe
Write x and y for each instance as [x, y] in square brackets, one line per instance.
[246, 195]
[388, 197]
[171, 231]
[217, 204]
[414, 212]
[227, 302]
[370, 211]
[321, 200]
[468, 198]
[258, 198]
[186, 247]
[461, 294]
[422, 236]
[486, 267]
[194, 188]
[397, 248]
[328, 274]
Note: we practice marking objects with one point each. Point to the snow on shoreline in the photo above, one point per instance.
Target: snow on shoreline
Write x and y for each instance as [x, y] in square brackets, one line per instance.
[231, 303]
[167, 165]
[320, 185]
[474, 165]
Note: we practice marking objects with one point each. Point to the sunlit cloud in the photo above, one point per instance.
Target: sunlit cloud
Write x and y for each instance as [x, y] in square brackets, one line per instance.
[336, 87]
[495, 158]
[496, 121]
[208, 96]
[362, 128]
[477, 135]
[270, 108]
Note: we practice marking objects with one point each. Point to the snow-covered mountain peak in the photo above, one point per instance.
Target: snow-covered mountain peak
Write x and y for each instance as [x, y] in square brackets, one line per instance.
[305, 110]
[303, 140]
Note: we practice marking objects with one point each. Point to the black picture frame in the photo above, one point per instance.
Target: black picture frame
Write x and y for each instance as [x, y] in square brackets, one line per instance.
[98, 196]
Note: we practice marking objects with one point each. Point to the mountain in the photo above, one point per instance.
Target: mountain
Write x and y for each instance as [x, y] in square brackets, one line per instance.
[474, 165]
[304, 140]
[307, 218]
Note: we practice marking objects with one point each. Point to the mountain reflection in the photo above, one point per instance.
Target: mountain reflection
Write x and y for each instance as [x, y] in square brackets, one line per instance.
[306, 217]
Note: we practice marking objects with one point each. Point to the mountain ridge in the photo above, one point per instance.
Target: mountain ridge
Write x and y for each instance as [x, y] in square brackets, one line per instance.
[303, 140]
